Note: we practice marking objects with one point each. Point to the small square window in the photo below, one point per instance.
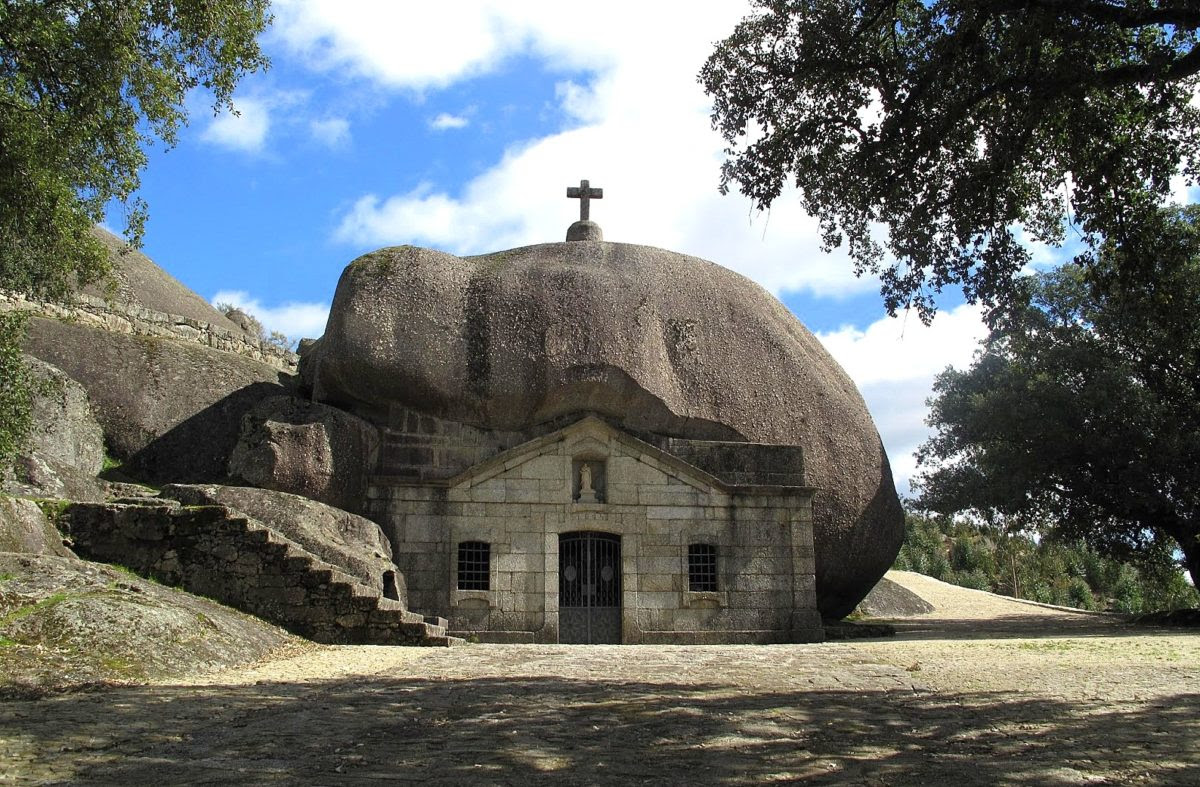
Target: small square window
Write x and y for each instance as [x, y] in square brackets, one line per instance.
[702, 568]
[474, 565]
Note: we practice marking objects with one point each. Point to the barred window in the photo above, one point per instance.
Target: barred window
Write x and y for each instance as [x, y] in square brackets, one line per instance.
[474, 565]
[702, 567]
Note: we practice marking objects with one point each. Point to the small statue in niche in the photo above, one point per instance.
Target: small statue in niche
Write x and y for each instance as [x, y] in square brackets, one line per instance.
[586, 493]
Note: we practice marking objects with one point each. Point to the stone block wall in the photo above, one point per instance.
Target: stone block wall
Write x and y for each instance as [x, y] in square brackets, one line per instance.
[423, 447]
[749, 464]
[214, 552]
[138, 321]
[418, 446]
[521, 501]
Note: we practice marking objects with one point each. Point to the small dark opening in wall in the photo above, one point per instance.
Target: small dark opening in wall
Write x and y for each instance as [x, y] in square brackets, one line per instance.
[474, 565]
[702, 568]
[389, 586]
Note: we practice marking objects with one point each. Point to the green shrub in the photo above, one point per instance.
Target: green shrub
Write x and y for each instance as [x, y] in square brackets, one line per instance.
[1040, 568]
[1127, 592]
[975, 578]
[16, 389]
[1079, 595]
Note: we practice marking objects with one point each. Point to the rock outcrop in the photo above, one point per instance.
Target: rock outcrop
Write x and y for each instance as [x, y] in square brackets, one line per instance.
[655, 341]
[889, 599]
[65, 448]
[138, 281]
[171, 410]
[306, 448]
[67, 623]
[64, 427]
[25, 530]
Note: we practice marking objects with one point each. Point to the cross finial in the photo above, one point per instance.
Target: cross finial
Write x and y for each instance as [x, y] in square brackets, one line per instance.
[585, 193]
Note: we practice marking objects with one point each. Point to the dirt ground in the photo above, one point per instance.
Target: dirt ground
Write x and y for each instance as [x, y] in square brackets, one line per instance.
[984, 690]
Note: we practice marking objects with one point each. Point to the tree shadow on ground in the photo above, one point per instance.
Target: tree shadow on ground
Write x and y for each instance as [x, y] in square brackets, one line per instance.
[527, 729]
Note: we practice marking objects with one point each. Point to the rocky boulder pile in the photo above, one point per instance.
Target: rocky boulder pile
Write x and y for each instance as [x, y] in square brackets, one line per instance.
[171, 410]
[307, 448]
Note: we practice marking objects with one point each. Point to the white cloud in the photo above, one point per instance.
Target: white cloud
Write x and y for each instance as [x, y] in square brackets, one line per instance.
[295, 320]
[894, 361]
[421, 46]
[446, 121]
[332, 132]
[640, 130]
[637, 126]
[245, 131]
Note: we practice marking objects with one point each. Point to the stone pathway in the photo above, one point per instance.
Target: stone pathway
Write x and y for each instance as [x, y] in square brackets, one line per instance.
[982, 691]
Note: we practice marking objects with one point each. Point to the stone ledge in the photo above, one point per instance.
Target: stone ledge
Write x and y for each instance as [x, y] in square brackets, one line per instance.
[139, 321]
[742, 637]
[497, 637]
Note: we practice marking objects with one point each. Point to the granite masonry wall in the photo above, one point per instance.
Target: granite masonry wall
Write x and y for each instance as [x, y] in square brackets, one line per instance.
[138, 321]
[417, 446]
[521, 501]
[215, 552]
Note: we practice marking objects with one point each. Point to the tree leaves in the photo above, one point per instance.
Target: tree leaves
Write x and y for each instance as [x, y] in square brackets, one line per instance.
[85, 87]
[16, 390]
[932, 136]
[1081, 413]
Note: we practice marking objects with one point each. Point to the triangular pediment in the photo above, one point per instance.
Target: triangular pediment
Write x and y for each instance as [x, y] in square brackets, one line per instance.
[589, 438]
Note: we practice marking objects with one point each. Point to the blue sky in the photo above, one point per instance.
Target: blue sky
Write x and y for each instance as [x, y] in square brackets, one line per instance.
[458, 125]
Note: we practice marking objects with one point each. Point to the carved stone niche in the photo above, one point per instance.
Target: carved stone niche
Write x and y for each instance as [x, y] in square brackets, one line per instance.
[589, 479]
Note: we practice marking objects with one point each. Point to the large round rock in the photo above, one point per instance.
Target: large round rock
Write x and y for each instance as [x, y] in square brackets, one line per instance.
[659, 341]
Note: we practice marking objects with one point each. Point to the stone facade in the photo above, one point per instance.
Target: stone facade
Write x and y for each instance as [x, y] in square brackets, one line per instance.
[691, 557]
[481, 354]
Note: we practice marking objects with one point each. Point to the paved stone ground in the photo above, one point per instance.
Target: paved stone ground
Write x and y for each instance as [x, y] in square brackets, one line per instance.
[982, 691]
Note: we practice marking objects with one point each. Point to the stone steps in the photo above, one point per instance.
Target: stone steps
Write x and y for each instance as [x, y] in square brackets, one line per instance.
[238, 561]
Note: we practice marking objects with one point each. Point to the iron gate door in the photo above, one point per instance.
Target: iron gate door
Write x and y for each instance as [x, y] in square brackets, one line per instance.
[589, 588]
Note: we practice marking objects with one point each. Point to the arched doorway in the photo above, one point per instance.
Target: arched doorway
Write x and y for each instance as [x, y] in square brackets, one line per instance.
[589, 588]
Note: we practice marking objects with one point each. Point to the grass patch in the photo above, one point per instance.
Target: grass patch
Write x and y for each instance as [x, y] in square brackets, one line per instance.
[26, 611]
[375, 264]
[113, 470]
[5, 575]
[122, 583]
[117, 664]
[1047, 647]
[51, 508]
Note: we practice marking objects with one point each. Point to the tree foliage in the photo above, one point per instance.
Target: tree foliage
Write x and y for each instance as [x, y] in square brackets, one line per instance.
[85, 86]
[254, 325]
[1053, 572]
[1081, 413]
[16, 390]
[936, 135]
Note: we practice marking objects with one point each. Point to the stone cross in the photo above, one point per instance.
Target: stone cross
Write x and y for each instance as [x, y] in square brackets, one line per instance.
[585, 193]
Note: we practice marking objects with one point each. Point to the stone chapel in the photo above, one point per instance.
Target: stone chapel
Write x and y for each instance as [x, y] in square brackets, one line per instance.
[596, 442]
